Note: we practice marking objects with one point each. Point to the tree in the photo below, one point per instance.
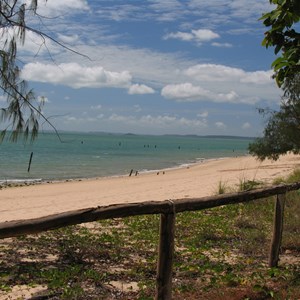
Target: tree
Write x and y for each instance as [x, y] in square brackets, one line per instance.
[283, 37]
[21, 114]
[23, 111]
[282, 130]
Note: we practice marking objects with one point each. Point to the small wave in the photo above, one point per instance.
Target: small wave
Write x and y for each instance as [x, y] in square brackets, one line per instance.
[20, 181]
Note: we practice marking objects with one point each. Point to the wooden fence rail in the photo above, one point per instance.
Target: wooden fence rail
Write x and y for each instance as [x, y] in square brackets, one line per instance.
[168, 210]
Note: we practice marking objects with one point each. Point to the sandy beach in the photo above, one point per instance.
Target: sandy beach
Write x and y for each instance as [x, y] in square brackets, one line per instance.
[198, 180]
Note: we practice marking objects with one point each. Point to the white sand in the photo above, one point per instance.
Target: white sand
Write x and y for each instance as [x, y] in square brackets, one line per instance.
[196, 181]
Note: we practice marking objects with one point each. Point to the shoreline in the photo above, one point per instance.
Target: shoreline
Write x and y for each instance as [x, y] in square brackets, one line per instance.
[4, 183]
[194, 181]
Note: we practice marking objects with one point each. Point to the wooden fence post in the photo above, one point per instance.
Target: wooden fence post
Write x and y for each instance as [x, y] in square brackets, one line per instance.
[165, 256]
[277, 231]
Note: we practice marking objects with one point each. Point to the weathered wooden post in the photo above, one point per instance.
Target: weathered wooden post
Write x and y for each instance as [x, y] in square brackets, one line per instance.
[277, 231]
[165, 256]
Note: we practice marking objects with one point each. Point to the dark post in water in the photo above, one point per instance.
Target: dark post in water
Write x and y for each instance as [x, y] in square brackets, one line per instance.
[29, 164]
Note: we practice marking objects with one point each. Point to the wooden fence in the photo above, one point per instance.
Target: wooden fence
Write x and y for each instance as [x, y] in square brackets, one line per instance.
[168, 210]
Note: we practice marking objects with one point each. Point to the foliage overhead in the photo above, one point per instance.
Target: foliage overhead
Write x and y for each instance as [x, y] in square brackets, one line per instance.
[283, 37]
[21, 114]
[23, 109]
[282, 131]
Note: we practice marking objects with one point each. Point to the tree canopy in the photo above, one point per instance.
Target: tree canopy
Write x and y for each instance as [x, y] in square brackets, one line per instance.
[21, 113]
[283, 37]
[282, 131]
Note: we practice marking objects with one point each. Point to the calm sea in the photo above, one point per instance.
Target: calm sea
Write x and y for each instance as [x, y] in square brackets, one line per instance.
[83, 155]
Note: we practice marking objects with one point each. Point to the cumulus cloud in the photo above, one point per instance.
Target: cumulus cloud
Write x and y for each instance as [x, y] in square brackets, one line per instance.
[199, 36]
[220, 83]
[75, 75]
[220, 125]
[189, 92]
[258, 77]
[204, 35]
[246, 125]
[140, 89]
[203, 114]
[214, 72]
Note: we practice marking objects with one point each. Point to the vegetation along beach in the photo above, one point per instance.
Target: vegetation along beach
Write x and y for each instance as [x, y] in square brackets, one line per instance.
[149, 150]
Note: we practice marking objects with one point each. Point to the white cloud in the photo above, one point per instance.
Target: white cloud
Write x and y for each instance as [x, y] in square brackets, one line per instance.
[199, 36]
[68, 39]
[213, 12]
[258, 77]
[246, 125]
[96, 107]
[214, 72]
[75, 75]
[189, 92]
[203, 114]
[183, 91]
[140, 89]
[2, 99]
[70, 119]
[184, 36]
[222, 45]
[222, 73]
[162, 69]
[121, 12]
[204, 35]
[220, 83]
[220, 125]
[35, 45]
[121, 119]
[58, 7]
[219, 12]
[160, 121]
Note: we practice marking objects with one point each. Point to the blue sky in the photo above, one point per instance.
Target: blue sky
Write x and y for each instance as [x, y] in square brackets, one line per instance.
[154, 67]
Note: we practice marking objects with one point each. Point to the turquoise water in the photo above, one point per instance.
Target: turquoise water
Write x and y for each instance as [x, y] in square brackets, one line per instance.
[83, 155]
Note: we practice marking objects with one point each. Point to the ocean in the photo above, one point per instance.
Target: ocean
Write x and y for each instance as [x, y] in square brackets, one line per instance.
[92, 155]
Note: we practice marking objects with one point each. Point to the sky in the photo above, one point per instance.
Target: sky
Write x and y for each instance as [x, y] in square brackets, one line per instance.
[152, 66]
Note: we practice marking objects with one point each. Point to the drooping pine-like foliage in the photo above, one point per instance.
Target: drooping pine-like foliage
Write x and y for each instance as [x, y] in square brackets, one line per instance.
[20, 115]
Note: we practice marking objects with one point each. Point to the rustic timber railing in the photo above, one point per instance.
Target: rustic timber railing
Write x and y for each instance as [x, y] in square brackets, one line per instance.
[168, 210]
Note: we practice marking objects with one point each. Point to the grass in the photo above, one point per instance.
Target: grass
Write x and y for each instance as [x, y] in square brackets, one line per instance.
[222, 188]
[248, 185]
[220, 253]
